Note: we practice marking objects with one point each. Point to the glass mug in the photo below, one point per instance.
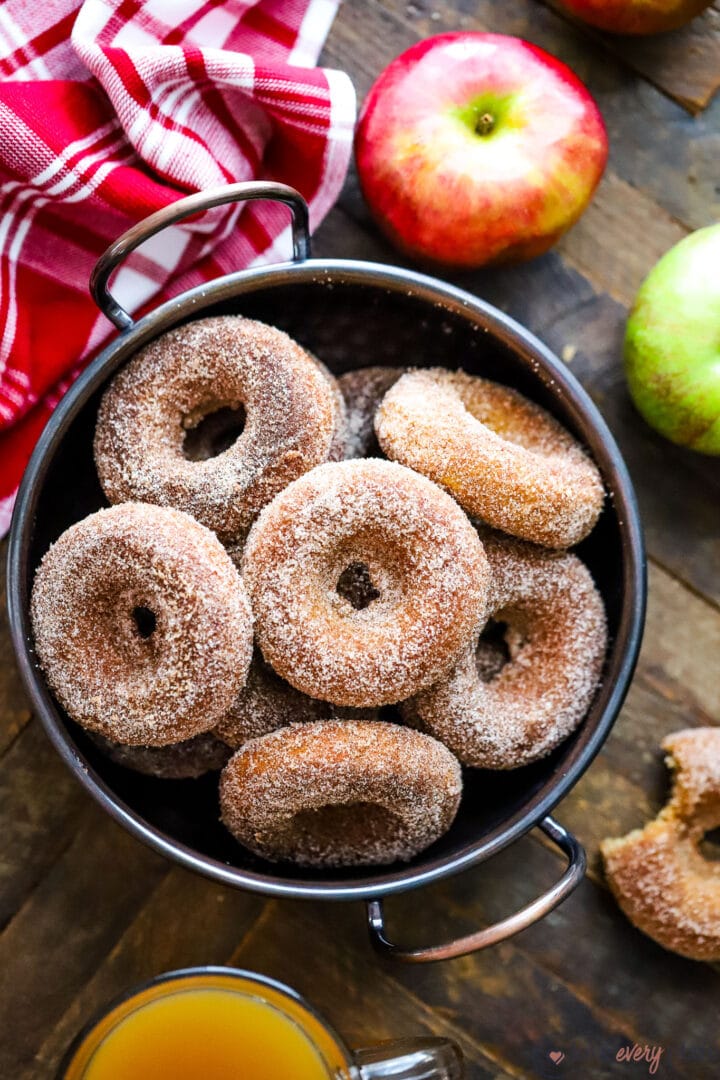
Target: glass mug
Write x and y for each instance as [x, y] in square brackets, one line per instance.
[218, 1023]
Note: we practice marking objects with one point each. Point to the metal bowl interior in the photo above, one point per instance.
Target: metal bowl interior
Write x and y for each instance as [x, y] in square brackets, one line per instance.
[350, 315]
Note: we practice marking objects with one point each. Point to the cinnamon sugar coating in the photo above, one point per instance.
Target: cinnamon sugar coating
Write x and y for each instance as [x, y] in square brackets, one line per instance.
[142, 625]
[506, 460]
[363, 390]
[557, 639]
[658, 875]
[180, 761]
[191, 372]
[267, 703]
[424, 560]
[340, 793]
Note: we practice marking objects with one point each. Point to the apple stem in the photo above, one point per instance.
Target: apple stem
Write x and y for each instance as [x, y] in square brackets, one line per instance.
[485, 124]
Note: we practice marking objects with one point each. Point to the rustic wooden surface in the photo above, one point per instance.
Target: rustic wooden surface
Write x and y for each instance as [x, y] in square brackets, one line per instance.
[85, 911]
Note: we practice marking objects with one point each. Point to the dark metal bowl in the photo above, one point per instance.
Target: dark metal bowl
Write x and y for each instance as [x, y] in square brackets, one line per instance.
[350, 314]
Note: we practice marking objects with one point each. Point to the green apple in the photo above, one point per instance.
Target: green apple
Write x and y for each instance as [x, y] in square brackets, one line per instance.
[672, 343]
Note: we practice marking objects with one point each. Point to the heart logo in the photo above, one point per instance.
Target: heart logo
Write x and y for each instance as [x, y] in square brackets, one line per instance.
[556, 1056]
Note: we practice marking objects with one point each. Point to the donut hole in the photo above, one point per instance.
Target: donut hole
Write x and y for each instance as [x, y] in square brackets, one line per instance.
[355, 585]
[493, 651]
[145, 621]
[710, 846]
[359, 826]
[214, 432]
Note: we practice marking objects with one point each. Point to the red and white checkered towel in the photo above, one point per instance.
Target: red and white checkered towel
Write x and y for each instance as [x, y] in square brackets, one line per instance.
[111, 109]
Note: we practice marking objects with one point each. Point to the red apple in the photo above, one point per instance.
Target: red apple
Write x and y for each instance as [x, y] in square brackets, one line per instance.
[636, 16]
[475, 148]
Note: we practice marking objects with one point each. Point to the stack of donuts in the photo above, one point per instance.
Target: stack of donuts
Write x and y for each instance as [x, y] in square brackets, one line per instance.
[286, 553]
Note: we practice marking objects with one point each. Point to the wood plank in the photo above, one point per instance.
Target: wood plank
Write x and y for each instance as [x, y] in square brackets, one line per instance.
[682, 645]
[323, 952]
[14, 710]
[619, 239]
[41, 806]
[655, 146]
[186, 922]
[54, 944]
[684, 64]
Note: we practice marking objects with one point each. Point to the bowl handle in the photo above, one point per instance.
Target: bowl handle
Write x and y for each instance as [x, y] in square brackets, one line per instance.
[490, 935]
[178, 211]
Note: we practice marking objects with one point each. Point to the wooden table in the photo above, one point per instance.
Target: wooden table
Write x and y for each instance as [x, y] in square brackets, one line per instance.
[86, 911]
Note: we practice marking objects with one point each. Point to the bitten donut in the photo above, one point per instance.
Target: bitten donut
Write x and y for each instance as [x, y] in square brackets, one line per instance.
[362, 391]
[267, 703]
[180, 761]
[556, 636]
[421, 555]
[142, 625]
[658, 874]
[190, 373]
[340, 793]
[505, 460]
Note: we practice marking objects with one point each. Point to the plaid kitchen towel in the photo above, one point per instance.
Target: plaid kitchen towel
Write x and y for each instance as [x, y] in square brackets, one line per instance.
[111, 109]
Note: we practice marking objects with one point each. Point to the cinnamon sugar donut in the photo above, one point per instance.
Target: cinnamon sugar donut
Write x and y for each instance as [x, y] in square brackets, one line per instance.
[505, 460]
[267, 703]
[422, 557]
[142, 625]
[556, 639]
[179, 761]
[191, 373]
[340, 793]
[658, 874]
[362, 391]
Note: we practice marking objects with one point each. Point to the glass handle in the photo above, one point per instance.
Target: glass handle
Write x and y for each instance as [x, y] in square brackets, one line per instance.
[411, 1059]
